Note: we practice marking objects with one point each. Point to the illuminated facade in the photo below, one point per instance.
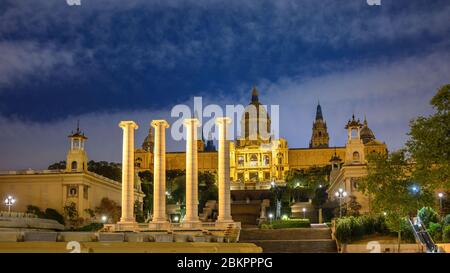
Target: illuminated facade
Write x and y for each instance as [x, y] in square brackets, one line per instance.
[257, 159]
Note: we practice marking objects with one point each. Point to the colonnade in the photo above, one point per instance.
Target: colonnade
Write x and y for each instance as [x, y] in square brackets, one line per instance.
[191, 219]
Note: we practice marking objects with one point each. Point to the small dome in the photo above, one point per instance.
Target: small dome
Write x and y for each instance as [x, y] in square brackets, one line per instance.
[366, 133]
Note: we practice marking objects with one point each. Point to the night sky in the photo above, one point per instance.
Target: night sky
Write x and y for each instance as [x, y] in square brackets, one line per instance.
[106, 61]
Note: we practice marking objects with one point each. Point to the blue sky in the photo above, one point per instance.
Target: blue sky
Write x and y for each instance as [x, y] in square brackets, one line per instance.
[106, 61]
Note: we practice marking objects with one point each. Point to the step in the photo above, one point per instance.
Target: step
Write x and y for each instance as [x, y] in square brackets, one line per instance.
[285, 234]
[295, 246]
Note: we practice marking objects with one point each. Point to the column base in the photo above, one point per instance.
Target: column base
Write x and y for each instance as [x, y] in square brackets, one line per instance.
[159, 225]
[126, 226]
[192, 224]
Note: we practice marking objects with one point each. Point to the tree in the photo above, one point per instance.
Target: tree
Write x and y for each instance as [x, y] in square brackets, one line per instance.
[392, 189]
[429, 142]
[61, 165]
[110, 209]
[207, 188]
[109, 170]
[353, 206]
[71, 213]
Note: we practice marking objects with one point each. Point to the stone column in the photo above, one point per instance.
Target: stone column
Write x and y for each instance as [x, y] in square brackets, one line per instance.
[159, 172]
[224, 215]
[128, 128]
[191, 217]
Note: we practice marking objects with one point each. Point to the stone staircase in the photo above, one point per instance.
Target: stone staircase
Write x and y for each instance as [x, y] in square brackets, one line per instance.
[292, 240]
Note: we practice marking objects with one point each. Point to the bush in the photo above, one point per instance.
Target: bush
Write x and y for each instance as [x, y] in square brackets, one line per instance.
[380, 225]
[407, 232]
[446, 220]
[428, 215]
[446, 234]
[357, 228]
[90, 227]
[54, 215]
[435, 230]
[343, 231]
[291, 223]
[368, 223]
[36, 211]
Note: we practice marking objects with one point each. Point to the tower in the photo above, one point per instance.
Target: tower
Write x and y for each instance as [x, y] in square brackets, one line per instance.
[255, 123]
[210, 144]
[200, 138]
[354, 149]
[149, 141]
[319, 136]
[76, 157]
[335, 165]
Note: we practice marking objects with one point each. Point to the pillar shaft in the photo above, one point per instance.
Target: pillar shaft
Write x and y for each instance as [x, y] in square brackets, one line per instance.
[224, 214]
[159, 172]
[128, 128]
[191, 171]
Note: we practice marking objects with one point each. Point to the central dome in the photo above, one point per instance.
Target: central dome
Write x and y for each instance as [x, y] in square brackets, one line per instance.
[255, 122]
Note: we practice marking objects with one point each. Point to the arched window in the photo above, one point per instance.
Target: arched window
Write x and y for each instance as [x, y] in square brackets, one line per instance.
[74, 165]
[355, 156]
[266, 160]
[253, 160]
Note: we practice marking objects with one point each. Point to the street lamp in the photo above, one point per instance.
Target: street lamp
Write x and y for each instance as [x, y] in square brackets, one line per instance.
[9, 201]
[304, 213]
[104, 218]
[340, 194]
[270, 217]
[441, 196]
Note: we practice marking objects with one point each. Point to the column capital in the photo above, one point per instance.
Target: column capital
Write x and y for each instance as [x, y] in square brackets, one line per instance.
[191, 121]
[159, 122]
[223, 120]
[127, 123]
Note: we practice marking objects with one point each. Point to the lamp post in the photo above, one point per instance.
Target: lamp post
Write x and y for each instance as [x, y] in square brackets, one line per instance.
[304, 213]
[340, 194]
[9, 201]
[441, 196]
[270, 217]
[104, 219]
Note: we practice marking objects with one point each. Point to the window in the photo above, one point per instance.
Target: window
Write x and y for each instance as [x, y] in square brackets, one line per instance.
[241, 161]
[354, 133]
[72, 191]
[253, 176]
[240, 177]
[266, 175]
[354, 184]
[85, 192]
[266, 160]
[74, 165]
[355, 156]
[253, 160]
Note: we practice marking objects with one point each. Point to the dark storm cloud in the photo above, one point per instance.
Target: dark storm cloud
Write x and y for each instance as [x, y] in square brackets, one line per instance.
[107, 60]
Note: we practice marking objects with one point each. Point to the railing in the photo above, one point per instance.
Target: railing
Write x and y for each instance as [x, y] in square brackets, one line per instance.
[30, 171]
[15, 214]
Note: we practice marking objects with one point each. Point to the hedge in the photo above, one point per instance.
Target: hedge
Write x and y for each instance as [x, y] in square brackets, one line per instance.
[291, 223]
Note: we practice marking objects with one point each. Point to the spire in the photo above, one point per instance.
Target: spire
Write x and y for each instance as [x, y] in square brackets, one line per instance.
[365, 120]
[77, 133]
[319, 112]
[255, 94]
